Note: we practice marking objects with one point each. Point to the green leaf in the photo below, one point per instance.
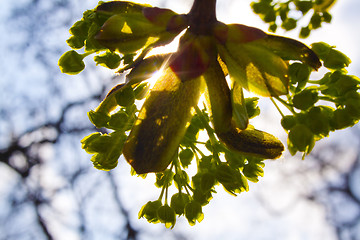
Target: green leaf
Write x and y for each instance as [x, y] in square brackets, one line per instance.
[161, 124]
[130, 32]
[352, 104]
[75, 42]
[110, 103]
[118, 7]
[290, 49]
[237, 33]
[89, 143]
[239, 107]
[255, 68]
[185, 157]
[234, 159]
[80, 29]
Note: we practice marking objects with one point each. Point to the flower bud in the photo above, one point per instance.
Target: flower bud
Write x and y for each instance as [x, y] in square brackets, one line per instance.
[231, 179]
[252, 142]
[109, 59]
[332, 58]
[166, 215]
[108, 149]
[179, 201]
[99, 119]
[193, 212]
[317, 120]
[302, 138]
[342, 119]
[125, 96]
[71, 63]
[185, 157]
[305, 99]
[207, 182]
[118, 121]
[253, 170]
[287, 122]
[149, 211]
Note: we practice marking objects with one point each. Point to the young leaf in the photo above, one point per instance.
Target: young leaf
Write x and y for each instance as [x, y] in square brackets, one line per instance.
[161, 124]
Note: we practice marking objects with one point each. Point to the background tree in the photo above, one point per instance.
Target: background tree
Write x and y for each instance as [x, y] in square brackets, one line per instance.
[44, 169]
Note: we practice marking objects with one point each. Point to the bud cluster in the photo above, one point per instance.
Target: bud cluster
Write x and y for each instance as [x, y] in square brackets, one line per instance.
[219, 61]
[322, 106]
[282, 12]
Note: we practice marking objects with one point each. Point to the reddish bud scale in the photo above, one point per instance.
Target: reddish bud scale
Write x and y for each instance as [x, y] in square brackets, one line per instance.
[118, 7]
[177, 23]
[188, 63]
[158, 16]
[191, 60]
[237, 33]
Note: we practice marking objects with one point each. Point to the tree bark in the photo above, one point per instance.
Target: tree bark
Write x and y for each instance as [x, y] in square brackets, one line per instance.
[202, 17]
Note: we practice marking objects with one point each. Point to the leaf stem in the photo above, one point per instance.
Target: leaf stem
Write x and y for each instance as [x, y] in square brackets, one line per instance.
[329, 99]
[289, 106]
[210, 132]
[277, 107]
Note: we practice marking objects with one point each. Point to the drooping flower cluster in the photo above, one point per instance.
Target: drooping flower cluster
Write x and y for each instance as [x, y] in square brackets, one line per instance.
[164, 132]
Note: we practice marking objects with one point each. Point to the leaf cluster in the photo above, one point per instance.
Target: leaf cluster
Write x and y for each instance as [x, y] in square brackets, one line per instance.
[193, 193]
[164, 135]
[282, 13]
[319, 107]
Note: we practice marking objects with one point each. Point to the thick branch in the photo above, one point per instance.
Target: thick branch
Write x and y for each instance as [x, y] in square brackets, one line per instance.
[202, 17]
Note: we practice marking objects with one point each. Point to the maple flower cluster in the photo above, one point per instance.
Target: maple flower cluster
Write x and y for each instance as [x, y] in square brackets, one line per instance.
[218, 61]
